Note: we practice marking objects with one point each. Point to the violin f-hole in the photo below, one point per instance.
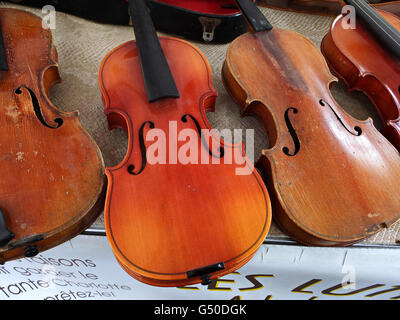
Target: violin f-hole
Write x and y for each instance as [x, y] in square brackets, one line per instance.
[143, 151]
[37, 109]
[293, 134]
[357, 129]
[221, 150]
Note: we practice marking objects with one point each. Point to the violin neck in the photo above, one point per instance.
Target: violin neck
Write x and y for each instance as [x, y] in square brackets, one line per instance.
[157, 75]
[377, 25]
[254, 17]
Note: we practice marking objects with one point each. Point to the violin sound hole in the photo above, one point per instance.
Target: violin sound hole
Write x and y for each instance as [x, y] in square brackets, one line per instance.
[131, 168]
[357, 130]
[292, 132]
[221, 150]
[37, 109]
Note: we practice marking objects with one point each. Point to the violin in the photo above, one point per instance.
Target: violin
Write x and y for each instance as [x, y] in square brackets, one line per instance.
[332, 179]
[170, 220]
[367, 58]
[52, 171]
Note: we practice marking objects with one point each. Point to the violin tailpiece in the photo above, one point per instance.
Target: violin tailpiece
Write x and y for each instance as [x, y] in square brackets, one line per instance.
[205, 272]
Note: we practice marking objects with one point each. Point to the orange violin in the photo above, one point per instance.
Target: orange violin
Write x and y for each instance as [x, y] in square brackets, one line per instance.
[173, 223]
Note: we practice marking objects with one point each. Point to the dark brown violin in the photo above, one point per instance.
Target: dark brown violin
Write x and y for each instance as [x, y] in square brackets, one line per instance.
[366, 57]
[177, 210]
[52, 172]
[333, 180]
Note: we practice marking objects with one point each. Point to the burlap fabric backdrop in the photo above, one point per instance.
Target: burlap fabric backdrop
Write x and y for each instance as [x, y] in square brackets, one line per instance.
[82, 44]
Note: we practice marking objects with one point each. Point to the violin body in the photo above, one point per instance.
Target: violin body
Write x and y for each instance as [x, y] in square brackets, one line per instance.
[52, 171]
[363, 64]
[172, 224]
[332, 179]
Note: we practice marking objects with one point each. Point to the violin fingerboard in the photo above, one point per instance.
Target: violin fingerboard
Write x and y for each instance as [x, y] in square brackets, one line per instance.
[157, 75]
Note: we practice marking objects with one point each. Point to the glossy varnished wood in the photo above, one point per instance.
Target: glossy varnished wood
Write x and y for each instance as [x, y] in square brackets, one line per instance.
[52, 172]
[363, 64]
[173, 218]
[339, 187]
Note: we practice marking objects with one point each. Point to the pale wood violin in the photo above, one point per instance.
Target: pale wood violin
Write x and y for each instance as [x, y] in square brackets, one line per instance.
[333, 179]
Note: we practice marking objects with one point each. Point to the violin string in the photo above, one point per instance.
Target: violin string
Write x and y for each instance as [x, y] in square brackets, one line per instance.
[367, 10]
[370, 11]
